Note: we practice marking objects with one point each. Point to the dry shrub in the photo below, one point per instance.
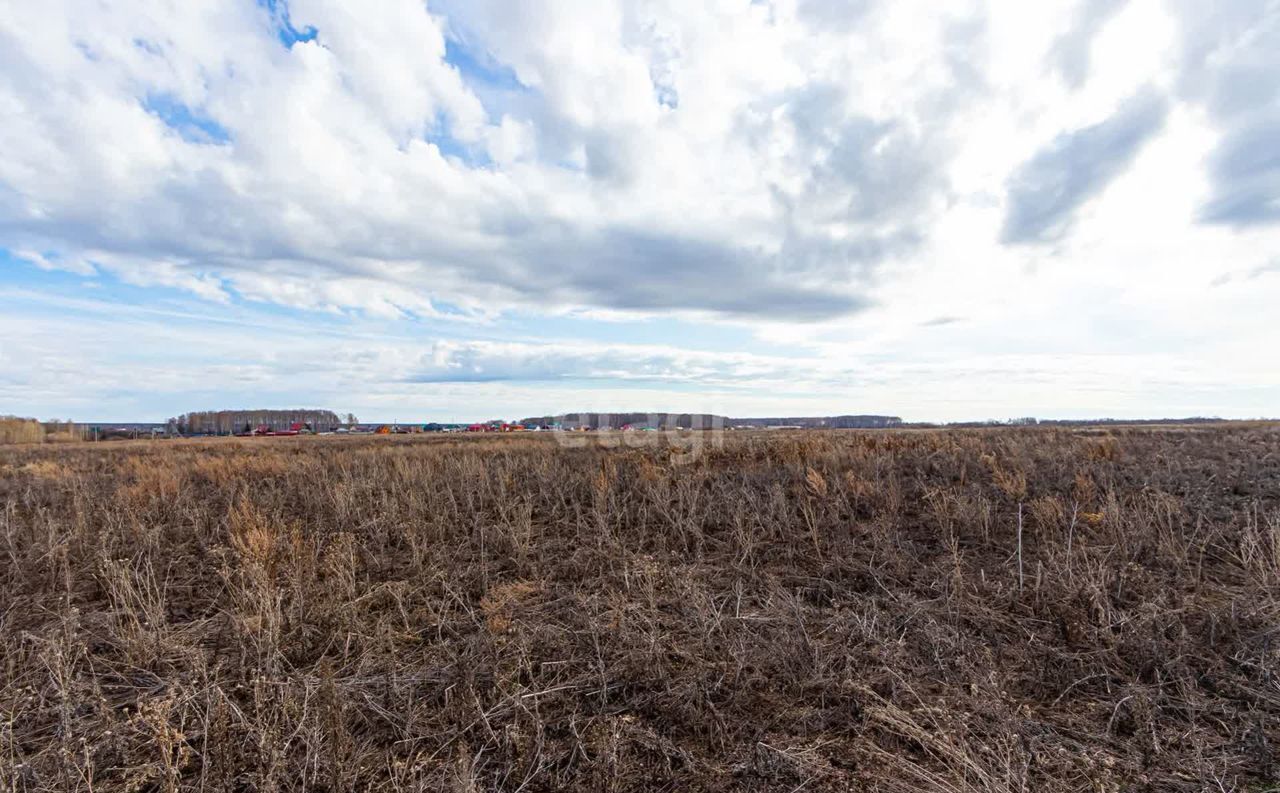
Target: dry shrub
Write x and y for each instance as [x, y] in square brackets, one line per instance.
[1083, 489]
[222, 469]
[936, 750]
[1105, 449]
[1012, 483]
[1048, 512]
[501, 603]
[46, 469]
[648, 472]
[1259, 551]
[160, 720]
[815, 483]
[252, 534]
[150, 478]
[66, 435]
[858, 488]
[1093, 518]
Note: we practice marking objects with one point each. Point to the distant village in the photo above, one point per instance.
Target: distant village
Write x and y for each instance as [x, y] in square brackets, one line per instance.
[283, 423]
[323, 422]
[280, 423]
[277, 423]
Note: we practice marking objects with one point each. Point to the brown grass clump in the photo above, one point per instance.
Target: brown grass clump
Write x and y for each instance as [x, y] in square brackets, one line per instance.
[251, 534]
[977, 611]
[149, 478]
[45, 469]
[501, 603]
[1106, 448]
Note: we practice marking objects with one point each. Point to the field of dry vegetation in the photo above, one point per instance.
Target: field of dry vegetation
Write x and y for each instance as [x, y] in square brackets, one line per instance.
[988, 610]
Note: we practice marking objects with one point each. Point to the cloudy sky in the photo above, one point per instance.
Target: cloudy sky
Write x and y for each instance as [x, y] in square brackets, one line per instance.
[465, 209]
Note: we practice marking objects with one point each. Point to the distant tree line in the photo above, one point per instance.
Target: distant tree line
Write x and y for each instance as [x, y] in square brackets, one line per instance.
[823, 422]
[597, 421]
[16, 429]
[706, 421]
[229, 422]
[1030, 421]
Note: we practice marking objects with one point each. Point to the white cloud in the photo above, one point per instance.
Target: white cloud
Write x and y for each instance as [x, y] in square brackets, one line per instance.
[653, 148]
[1047, 190]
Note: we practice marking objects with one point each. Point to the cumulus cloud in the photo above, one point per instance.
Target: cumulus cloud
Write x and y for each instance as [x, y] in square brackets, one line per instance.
[1230, 62]
[1253, 273]
[1045, 192]
[1071, 53]
[484, 362]
[326, 155]
[1246, 172]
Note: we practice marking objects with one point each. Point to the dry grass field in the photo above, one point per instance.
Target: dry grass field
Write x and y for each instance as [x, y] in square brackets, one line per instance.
[991, 610]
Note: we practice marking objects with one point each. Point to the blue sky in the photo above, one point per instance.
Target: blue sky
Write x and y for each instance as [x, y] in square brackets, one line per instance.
[460, 210]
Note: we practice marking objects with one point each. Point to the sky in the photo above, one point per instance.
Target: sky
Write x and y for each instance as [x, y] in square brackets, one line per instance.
[469, 209]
